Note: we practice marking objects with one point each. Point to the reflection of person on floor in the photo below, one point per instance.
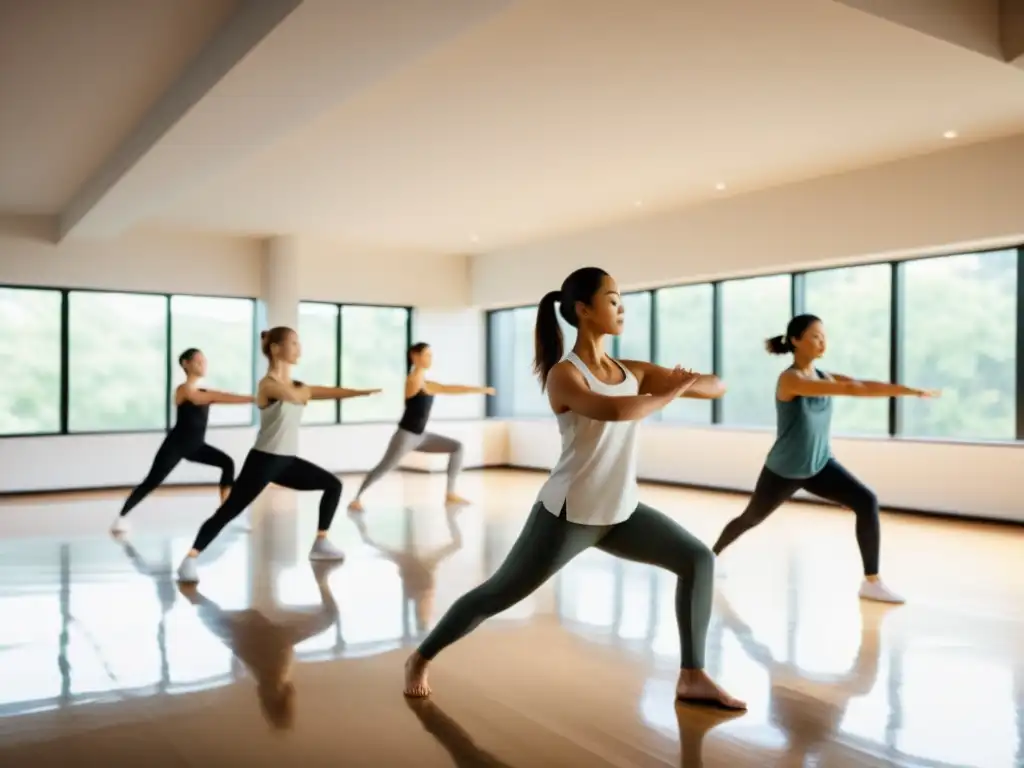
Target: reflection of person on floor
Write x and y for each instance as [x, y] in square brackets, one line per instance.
[809, 707]
[267, 647]
[450, 735]
[418, 571]
[694, 724]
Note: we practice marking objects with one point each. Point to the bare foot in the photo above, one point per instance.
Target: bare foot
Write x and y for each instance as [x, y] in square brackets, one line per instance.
[416, 677]
[454, 498]
[695, 687]
[355, 506]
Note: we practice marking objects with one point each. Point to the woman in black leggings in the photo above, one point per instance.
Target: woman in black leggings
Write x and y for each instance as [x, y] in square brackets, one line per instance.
[802, 457]
[273, 458]
[591, 498]
[187, 438]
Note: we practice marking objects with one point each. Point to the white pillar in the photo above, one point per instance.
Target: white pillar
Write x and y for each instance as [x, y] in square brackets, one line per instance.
[280, 282]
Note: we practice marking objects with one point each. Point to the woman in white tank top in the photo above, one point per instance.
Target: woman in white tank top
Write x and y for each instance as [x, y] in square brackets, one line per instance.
[591, 497]
[273, 458]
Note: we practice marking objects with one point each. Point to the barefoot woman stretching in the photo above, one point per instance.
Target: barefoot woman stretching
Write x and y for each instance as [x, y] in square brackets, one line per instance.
[187, 438]
[411, 434]
[272, 459]
[591, 496]
[801, 456]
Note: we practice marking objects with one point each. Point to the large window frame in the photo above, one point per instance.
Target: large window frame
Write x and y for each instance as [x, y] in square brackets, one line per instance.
[168, 367]
[897, 306]
[339, 337]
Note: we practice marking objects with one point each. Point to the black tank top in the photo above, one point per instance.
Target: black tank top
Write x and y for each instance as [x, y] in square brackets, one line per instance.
[417, 411]
[190, 425]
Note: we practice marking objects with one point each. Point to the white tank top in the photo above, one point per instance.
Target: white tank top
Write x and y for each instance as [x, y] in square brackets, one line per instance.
[279, 428]
[595, 477]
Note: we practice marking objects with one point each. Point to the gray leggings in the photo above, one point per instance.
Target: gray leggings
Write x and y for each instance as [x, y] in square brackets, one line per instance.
[548, 542]
[403, 442]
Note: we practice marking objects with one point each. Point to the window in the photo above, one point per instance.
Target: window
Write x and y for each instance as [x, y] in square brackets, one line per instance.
[527, 397]
[501, 366]
[634, 343]
[854, 305]
[752, 311]
[30, 387]
[959, 334]
[223, 330]
[117, 360]
[685, 337]
[374, 356]
[318, 333]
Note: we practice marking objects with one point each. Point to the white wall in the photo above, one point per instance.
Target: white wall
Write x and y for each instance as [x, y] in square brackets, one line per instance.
[156, 261]
[963, 198]
[967, 197]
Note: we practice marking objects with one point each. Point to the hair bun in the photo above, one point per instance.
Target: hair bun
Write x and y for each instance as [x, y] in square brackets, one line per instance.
[263, 335]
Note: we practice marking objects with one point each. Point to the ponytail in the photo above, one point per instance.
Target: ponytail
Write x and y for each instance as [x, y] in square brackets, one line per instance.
[547, 338]
[778, 345]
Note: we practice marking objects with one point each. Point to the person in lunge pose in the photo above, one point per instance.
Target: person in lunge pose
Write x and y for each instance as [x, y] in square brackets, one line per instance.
[591, 497]
[273, 458]
[187, 438]
[411, 434]
[802, 457]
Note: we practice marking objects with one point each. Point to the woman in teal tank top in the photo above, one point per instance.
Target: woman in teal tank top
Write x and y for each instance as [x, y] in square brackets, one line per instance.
[801, 456]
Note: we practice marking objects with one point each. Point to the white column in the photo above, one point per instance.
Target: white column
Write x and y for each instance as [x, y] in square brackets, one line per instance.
[280, 282]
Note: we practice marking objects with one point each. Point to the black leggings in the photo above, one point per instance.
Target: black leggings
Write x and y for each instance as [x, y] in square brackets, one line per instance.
[260, 470]
[548, 542]
[170, 453]
[833, 483]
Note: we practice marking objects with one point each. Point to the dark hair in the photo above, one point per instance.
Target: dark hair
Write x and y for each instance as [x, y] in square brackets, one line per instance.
[187, 355]
[275, 335]
[780, 345]
[580, 286]
[415, 349]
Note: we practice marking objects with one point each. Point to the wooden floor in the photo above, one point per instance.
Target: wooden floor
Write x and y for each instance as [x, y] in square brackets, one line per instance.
[273, 663]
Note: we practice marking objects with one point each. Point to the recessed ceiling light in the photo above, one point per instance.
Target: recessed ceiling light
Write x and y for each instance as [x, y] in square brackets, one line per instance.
[720, 186]
[474, 238]
[639, 203]
[950, 135]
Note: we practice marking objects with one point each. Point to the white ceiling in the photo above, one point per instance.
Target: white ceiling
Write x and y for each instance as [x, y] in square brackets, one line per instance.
[479, 123]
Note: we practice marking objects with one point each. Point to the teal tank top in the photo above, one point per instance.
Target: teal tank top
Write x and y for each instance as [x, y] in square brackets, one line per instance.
[802, 440]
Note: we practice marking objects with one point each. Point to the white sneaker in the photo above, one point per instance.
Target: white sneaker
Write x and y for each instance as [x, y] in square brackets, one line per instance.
[877, 591]
[324, 550]
[121, 526]
[187, 571]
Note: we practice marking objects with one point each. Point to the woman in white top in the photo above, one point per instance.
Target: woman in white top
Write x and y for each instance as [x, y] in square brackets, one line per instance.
[273, 458]
[590, 498]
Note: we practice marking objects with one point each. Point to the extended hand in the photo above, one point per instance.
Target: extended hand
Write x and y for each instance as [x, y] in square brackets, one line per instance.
[372, 391]
[929, 393]
[490, 391]
[680, 380]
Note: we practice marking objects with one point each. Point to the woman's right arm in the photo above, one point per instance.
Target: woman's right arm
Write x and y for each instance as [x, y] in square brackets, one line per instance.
[216, 397]
[568, 391]
[792, 384]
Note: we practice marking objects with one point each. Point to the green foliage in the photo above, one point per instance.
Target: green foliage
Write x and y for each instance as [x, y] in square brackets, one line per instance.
[373, 356]
[30, 347]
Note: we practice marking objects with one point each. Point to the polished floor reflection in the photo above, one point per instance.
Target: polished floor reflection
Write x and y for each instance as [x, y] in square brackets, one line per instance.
[270, 661]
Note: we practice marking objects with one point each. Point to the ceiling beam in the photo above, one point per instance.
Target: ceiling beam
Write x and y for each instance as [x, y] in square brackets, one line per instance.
[1011, 31]
[254, 20]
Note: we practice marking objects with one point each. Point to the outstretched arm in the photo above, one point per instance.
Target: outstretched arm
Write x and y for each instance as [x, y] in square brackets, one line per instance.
[338, 393]
[433, 388]
[792, 384]
[655, 378]
[214, 397]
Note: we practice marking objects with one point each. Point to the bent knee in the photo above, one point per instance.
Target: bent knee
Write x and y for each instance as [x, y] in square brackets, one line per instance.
[867, 503]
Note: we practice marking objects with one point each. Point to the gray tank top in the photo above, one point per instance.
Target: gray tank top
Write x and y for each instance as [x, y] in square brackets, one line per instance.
[279, 429]
[801, 447]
